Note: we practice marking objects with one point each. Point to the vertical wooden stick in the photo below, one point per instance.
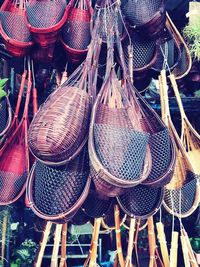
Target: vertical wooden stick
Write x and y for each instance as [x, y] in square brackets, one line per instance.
[63, 246]
[130, 243]
[185, 251]
[3, 241]
[90, 250]
[163, 243]
[174, 249]
[118, 236]
[95, 243]
[43, 244]
[152, 242]
[57, 236]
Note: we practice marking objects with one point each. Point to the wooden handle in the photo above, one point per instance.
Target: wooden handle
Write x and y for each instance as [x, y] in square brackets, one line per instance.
[152, 242]
[63, 246]
[192, 257]
[185, 251]
[57, 236]
[92, 262]
[3, 238]
[35, 102]
[163, 243]
[118, 236]
[174, 249]
[130, 243]
[43, 244]
[21, 90]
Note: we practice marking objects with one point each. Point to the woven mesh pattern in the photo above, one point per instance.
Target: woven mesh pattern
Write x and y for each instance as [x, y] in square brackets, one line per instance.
[45, 14]
[161, 154]
[109, 19]
[15, 27]
[11, 185]
[171, 52]
[181, 200]
[76, 34]
[141, 201]
[121, 150]
[96, 206]
[143, 51]
[140, 12]
[61, 125]
[3, 115]
[57, 189]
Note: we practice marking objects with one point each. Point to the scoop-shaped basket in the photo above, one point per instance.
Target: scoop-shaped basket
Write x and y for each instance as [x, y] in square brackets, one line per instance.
[14, 158]
[139, 51]
[5, 116]
[76, 33]
[45, 19]
[59, 130]
[146, 16]
[13, 28]
[141, 201]
[182, 194]
[173, 49]
[162, 146]
[118, 146]
[56, 193]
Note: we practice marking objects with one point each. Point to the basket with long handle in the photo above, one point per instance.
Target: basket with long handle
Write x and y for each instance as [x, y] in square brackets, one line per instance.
[182, 193]
[13, 28]
[147, 16]
[59, 130]
[57, 193]
[189, 136]
[45, 19]
[14, 157]
[76, 33]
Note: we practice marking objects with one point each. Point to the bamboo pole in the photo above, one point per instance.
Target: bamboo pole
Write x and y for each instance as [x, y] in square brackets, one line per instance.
[174, 249]
[185, 251]
[63, 246]
[163, 243]
[57, 236]
[152, 242]
[3, 241]
[43, 244]
[128, 262]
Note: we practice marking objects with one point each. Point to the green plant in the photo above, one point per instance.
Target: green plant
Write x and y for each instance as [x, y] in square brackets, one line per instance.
[192, 33]
[2, 85]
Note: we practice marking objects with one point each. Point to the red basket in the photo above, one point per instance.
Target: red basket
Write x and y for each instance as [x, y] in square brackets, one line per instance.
[45, 19]
[13, 29]
[76, 32]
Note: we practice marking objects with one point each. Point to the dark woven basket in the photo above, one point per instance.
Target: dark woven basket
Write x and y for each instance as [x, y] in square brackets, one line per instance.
[57, 193]
[96, 205]
[76, 34]
[5, 116]
[45, 19]
[13, 29]
[146, 16]
[162, 147]
[143, 52]
[141, 201]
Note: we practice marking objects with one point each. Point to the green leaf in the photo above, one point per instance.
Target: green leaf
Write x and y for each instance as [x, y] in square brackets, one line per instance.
[3, 82]
[2, 94]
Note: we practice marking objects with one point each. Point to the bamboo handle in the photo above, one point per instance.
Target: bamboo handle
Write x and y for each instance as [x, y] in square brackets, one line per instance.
[163, 243]
[35, 102]
[63, 247]
[64, 77]
[165, 92]
[192, 257]
[57, 236]
[21, 89]
[185, 251]
[3, 241]
[90, 250]
[118, 236]
[152, 242]
[130, 243]
[43, 244]
[95, 243]
[174, 249]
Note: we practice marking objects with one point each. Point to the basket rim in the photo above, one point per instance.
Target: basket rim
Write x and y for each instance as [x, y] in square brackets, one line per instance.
[156, 207]
[68, 214]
